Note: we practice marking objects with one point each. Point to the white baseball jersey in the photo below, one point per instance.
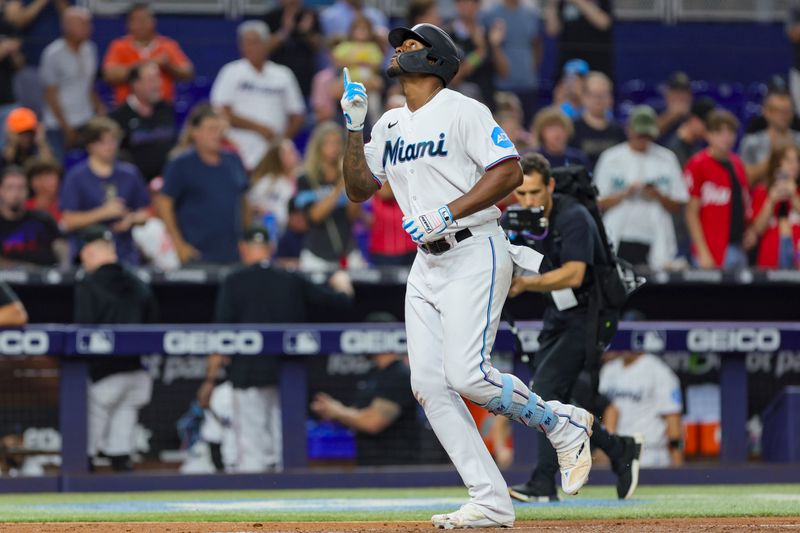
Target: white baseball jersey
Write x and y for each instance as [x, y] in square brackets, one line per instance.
[267, 97]
[639, 219]
[644, 392]
[458, 140]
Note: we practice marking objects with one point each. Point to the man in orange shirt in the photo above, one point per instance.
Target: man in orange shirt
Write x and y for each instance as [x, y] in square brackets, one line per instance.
[143, 44]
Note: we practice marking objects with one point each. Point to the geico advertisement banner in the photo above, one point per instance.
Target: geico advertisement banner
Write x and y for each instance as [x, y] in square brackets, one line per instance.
[359, 341]
[110, 340]
[223, 342]
[21, 342]
[743, 339]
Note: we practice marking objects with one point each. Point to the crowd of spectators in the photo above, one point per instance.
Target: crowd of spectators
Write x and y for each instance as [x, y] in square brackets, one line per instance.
[682, 186]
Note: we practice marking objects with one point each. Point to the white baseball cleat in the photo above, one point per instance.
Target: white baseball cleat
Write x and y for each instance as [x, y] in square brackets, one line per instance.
[468, 517]
[571, 441]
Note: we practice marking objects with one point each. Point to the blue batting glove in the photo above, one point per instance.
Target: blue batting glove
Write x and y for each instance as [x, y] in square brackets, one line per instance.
[354, 103]
[428, 226]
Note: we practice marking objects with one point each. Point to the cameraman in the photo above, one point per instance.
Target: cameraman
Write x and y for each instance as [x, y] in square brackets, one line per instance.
[563, 230]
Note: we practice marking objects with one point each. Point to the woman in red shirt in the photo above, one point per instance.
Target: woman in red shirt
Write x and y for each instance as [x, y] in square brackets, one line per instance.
[777, 208]
[389, 244]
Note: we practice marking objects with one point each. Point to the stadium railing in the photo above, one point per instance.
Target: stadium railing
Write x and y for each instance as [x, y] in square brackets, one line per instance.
[673, 11]
[669, 11]
[74, 344]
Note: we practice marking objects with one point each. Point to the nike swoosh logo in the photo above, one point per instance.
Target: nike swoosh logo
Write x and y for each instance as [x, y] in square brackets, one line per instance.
[393, 124]
[580, 450]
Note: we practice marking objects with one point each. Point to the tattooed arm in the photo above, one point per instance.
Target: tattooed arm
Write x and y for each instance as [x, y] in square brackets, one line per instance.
[359, 182]
[376, 417]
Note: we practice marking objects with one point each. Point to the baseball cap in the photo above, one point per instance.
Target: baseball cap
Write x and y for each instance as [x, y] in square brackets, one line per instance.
[95, 232]
[21, 119]
[679, 80]
[255, 234]
[777, 85]
[702, 107]
[576, 67]
[643, 121]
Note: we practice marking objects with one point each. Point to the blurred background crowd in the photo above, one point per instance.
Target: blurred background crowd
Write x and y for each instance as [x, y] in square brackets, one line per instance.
[176, 165]
[131, 137]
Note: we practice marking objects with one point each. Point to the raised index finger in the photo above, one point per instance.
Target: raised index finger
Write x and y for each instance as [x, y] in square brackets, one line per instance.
[346, 77]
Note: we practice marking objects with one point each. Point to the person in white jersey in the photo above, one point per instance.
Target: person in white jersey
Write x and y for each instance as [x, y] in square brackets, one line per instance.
[448, 163]
[647, 396]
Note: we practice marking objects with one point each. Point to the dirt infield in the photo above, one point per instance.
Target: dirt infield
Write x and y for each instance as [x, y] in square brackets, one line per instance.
[665, 525]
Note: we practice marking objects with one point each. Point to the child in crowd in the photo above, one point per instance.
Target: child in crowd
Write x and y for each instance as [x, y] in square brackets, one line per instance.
[362, 55]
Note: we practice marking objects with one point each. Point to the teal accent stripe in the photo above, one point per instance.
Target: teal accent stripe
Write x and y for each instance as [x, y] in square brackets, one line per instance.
[508, 390]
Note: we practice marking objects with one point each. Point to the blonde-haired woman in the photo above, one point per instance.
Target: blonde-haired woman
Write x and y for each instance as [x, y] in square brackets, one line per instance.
[329, 243]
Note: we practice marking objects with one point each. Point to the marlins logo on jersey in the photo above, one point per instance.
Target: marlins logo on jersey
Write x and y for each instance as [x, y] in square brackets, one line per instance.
[402, 152]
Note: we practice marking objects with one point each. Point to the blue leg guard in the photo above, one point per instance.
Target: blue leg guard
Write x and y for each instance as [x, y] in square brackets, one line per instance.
[535, 413]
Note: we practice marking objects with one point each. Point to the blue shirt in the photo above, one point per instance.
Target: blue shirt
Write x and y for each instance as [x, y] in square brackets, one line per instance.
[337, 18]
[574, 113]
[523, 27]
[83, 190]
[208, 203]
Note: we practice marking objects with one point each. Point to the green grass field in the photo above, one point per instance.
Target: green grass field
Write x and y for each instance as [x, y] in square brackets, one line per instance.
[392, 504]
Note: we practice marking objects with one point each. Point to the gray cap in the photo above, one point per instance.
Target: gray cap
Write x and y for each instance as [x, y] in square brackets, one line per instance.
[643, 121]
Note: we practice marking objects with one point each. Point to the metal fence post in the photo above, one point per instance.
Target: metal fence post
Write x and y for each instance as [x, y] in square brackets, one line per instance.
[72, 409]
[294, 400]
[733, 400]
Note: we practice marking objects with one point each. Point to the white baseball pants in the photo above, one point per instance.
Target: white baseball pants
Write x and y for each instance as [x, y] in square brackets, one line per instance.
[114, 404]
[257, 430]
[453, 305]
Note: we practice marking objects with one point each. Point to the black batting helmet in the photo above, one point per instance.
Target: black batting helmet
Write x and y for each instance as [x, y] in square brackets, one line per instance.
[440, 57]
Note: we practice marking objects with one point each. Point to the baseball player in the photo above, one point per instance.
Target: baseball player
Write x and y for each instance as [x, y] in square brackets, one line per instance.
[448, 163]
[110, 293]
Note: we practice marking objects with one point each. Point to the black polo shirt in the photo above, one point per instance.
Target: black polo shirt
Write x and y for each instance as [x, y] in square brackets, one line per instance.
[113, 294]
[147, 141]
[573, 236]
[263, 294]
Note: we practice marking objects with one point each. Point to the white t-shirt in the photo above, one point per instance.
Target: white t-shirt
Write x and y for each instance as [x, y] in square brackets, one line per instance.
[637, 219]
[271, 194]
[437, 153]
[73, 74]
[153, 239]
[644, 392]
[267, 97]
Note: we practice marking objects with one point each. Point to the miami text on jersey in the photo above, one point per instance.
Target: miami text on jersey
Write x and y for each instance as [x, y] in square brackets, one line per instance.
[402, 152]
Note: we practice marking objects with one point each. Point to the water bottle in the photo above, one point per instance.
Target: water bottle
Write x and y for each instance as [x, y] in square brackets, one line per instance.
[271, 223]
